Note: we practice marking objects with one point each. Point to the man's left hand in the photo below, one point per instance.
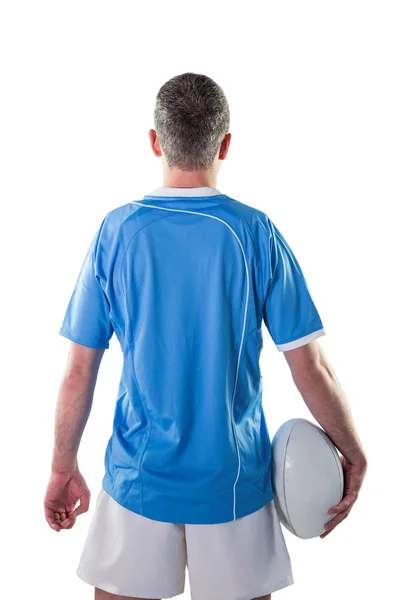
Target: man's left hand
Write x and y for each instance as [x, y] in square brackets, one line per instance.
[63, 492]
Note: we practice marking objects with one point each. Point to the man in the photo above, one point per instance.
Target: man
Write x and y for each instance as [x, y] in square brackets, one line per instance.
[185, 278]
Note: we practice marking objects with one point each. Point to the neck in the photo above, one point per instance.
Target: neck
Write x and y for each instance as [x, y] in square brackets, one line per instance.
[190, 179]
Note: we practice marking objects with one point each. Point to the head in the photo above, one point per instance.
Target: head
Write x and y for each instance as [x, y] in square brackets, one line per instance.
[191, 119]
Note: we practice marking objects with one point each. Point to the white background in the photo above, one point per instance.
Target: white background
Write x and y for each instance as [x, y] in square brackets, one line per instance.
[313, 89]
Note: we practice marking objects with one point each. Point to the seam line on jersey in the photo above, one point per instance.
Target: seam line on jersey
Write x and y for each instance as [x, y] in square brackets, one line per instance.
[143, 446]
[243, 328]
[130, 241]
[258, 318]
[247, 223]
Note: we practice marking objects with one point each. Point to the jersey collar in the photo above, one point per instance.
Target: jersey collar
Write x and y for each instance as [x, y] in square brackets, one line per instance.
[182, 191]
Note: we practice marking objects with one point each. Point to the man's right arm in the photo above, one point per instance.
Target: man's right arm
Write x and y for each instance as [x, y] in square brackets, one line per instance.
[326, 400]
[292, 318]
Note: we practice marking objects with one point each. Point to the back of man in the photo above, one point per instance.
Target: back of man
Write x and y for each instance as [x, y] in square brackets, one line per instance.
[188, 277]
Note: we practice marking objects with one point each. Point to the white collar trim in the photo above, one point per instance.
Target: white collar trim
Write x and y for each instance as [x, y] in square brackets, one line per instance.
[182, 191]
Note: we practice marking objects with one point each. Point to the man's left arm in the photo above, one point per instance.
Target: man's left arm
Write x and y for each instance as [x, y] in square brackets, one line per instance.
[74, 404]
[87, 324]
[67, 485]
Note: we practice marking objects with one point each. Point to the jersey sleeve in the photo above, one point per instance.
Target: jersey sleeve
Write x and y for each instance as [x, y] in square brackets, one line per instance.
[87, 318]
[289, 312]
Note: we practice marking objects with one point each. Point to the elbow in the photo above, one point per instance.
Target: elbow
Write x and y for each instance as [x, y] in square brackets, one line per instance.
[76, 379]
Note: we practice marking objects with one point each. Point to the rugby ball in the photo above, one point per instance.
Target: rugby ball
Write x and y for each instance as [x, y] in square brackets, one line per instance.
[307, 477]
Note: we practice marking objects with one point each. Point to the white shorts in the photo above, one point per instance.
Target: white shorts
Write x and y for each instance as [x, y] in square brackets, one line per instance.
[131, 555]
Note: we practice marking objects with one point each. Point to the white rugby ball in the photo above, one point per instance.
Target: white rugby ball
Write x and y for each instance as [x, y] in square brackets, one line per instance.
[307, 477]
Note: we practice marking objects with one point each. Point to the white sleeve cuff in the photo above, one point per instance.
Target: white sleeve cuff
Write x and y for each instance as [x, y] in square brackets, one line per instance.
[301, 341]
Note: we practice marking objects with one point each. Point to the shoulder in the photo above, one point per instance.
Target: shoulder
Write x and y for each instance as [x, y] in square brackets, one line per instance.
[256, 220]
[112, 222]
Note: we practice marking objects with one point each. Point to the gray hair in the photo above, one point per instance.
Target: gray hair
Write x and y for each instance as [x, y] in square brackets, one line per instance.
[191, 118]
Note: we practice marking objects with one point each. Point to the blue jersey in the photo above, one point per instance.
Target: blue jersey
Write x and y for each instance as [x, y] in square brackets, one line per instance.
[185, 278]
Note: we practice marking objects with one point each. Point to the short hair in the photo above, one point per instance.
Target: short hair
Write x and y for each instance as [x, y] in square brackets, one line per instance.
[191, 118]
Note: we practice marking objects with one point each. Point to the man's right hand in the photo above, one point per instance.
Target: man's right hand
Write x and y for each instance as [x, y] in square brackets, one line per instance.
[354, 474]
